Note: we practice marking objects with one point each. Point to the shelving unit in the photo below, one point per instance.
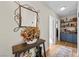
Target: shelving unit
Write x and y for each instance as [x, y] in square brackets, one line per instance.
[68, 29]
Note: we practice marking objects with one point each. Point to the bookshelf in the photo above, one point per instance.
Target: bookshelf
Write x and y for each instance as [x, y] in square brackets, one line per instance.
[69, 26]
[68, 29]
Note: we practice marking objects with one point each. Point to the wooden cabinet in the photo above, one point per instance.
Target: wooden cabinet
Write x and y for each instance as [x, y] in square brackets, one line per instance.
[68, 37]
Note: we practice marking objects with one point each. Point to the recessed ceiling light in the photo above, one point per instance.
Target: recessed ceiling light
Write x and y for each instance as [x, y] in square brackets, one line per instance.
[62, 8]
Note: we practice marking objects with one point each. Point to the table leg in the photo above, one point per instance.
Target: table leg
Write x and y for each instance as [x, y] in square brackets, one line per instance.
[44, 49]
[24, 53]
[17, 55]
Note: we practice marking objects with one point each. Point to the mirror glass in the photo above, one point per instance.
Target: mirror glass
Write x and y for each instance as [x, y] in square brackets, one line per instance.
[28, 17]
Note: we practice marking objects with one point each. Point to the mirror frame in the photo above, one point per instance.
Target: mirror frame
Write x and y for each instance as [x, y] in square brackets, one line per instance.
[20, 18]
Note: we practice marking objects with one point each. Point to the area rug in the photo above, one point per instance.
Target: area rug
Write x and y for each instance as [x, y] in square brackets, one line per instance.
[63, 52]
[60, 51]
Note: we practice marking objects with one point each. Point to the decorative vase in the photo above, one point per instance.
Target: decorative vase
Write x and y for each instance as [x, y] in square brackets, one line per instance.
[31, 42]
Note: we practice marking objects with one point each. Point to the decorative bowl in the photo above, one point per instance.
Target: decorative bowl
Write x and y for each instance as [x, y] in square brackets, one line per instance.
[31, 42]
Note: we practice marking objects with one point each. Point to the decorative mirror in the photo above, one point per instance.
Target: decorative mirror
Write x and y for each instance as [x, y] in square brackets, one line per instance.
[27, 19]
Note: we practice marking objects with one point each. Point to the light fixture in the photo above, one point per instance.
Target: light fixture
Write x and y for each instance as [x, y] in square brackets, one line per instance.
[62, 8]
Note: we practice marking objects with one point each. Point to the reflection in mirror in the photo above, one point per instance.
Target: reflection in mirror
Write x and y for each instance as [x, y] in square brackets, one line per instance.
[28, 18]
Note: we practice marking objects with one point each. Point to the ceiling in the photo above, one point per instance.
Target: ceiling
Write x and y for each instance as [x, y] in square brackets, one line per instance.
[70, 7]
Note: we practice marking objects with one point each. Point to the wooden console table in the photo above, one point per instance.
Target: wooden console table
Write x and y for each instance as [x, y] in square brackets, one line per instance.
[18, 49]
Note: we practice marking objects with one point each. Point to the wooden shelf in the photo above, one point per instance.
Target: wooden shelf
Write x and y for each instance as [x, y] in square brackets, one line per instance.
[70, 26]
[69, 32]
[68, 21]
[72, 23]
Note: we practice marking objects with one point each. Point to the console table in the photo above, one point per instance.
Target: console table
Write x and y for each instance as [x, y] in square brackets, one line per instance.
[23, 47]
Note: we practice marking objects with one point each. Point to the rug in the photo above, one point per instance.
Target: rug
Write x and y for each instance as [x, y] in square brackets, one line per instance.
[63, 52]
[60, 51]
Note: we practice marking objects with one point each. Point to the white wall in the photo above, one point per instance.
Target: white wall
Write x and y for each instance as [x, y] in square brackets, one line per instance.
[8, 38]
